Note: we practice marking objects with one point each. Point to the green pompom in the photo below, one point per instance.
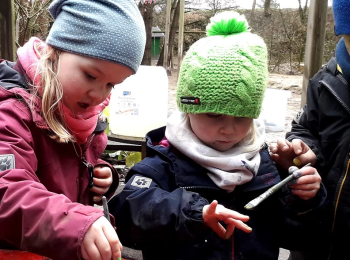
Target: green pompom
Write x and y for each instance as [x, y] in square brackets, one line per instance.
[227, 23]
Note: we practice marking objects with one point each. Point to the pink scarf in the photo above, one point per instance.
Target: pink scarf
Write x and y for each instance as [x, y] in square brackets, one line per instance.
[80, 126]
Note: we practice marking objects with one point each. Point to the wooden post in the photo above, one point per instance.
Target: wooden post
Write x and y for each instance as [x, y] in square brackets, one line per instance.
[7, 23]
[181, 35]
[167, 30]
[316, 29]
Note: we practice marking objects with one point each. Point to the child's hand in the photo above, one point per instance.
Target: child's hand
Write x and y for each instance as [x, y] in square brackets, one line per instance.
[101, 242]
[287, 154]
[307, 185]
[102, 181]
[214, 213]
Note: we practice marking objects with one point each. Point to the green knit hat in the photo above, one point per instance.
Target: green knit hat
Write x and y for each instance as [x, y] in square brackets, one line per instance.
[225, 72]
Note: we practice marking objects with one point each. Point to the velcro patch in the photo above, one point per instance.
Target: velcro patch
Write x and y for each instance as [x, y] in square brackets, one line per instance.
[7, 161]
[298, 116]
[141, 182]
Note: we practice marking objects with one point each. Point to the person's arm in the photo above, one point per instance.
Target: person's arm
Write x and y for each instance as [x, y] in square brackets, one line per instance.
[148, 210]
[305, 126]
[303, 143]
[31, 217]
[303, 204]
[302, 221]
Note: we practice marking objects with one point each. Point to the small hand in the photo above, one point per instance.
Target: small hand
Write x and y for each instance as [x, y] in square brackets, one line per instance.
[307, 185]
[102, 181]
[287, 154]
[101, 242]
[214, 213]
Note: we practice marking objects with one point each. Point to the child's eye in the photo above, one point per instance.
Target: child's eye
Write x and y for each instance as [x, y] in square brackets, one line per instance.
[110, 85]
[242, 118]
[89, 76]
[213, 115]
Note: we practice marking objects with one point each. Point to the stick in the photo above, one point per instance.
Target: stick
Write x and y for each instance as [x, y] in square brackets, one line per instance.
[252, 204]
[105, 208]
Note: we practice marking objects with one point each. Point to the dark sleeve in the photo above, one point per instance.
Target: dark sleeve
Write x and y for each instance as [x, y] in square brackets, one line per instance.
[147, 210]
[302, 219]
[303, 210]
[305, 125]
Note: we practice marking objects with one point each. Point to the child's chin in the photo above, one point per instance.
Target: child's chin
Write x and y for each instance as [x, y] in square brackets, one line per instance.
[223, 148]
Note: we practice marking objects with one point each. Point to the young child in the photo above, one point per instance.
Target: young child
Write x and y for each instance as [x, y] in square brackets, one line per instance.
[51, 138]
[320, 134]
[186, 199]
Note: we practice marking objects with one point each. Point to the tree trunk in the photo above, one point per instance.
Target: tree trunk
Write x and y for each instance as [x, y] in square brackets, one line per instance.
[148, 19]
[173, 29]
[267, 5]
[303, 12]
[253, 9]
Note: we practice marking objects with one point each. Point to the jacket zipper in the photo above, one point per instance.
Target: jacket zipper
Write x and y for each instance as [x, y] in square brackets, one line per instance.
[337, 202]
[88, 164]
[199, 187]
[342, 79]
[336, 96]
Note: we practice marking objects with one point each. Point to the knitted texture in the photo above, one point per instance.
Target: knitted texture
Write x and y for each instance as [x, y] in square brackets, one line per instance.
[111, 30]
[341, 11]
[226, 71]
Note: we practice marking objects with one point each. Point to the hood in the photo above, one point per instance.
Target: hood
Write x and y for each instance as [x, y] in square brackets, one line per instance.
[13, 84]
[9, 77]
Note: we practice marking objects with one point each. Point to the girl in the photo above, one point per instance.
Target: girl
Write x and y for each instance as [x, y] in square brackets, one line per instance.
[213, 151]
[51, 138]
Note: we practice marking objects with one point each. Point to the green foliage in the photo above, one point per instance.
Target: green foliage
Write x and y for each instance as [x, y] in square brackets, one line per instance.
[132, 158]
[284, 32]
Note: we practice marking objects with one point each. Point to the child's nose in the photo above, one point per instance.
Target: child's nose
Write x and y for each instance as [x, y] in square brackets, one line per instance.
[228, 126]
[97, 95]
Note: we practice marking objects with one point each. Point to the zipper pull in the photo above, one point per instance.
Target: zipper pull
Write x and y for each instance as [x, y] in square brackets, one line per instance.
[91, 173]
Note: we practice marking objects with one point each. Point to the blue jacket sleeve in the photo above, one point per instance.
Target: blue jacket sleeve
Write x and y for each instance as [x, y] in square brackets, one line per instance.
[303, 219]
[148, 210]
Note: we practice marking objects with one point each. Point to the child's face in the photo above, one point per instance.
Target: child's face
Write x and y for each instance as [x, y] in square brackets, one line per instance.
[220, 132]
[87, 81]
[347, 42]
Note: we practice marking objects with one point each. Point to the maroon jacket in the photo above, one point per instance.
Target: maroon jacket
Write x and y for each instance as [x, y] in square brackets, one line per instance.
[43, 183]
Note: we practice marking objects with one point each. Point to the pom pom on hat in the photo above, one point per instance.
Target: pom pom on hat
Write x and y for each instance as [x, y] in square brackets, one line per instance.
[225, 72]
[227, 23]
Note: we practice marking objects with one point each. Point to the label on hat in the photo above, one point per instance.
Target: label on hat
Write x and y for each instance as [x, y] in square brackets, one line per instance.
[190, 100]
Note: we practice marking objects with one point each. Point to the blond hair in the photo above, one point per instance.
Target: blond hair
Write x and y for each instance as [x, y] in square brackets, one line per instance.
[251, 141]
[52, 94]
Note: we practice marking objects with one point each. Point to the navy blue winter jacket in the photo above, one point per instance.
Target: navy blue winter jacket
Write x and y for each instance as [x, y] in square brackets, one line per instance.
[324, 125]
[160, 210]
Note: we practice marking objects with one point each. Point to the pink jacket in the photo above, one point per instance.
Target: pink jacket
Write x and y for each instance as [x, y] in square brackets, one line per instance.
[43, 183]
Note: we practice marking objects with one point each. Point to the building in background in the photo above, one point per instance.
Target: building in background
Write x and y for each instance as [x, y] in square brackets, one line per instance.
[156, 35]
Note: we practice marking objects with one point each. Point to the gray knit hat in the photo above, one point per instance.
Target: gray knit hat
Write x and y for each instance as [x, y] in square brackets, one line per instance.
[111, 30]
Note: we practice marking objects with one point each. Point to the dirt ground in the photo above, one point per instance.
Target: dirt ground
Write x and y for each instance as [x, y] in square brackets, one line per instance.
[292, 83]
